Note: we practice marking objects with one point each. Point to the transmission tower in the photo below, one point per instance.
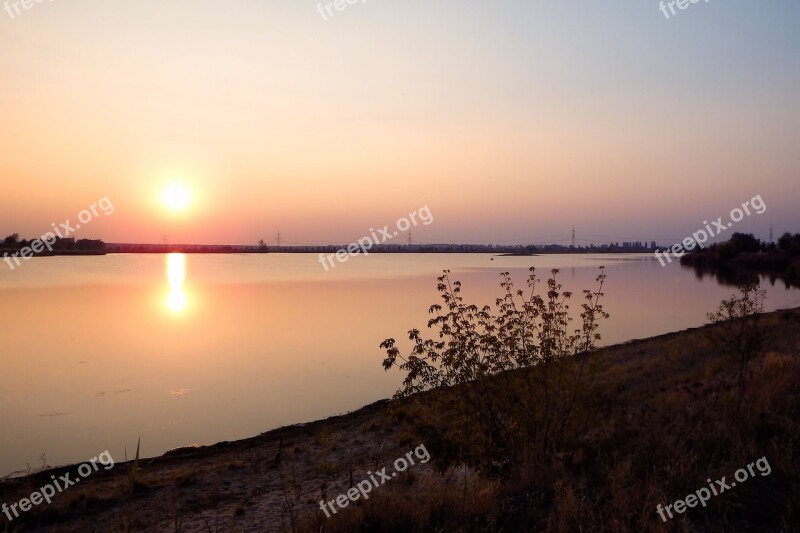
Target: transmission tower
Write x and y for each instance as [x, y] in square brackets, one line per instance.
[573, 236]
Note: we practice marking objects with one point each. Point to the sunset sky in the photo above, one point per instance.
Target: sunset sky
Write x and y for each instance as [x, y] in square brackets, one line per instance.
[512, 120]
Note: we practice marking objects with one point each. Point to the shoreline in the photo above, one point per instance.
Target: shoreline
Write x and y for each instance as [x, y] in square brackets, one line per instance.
[271, 435]
[243, 483]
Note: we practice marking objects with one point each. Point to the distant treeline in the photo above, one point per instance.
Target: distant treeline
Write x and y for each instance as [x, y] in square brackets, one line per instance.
[624, 247]
[68, 246]
[745, 253]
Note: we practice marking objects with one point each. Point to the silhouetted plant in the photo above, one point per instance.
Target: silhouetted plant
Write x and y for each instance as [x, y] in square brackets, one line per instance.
[127, 512]
[502, 412]
[739, 333]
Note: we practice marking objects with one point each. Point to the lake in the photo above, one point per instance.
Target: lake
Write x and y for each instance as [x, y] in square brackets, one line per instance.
[196, 349]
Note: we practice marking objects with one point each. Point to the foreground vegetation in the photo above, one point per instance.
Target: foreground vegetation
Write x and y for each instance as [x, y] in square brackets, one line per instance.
[566, 438]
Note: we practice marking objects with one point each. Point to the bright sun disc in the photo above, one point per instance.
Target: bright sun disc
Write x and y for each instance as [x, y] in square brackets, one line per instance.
[176, 197]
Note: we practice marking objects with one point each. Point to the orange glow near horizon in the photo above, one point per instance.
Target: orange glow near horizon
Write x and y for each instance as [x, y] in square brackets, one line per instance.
[215, 129]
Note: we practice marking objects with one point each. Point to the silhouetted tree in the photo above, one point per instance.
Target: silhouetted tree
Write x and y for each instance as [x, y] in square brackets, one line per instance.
[11, 240]
[739, 333]
[745, 243]
[789, 243]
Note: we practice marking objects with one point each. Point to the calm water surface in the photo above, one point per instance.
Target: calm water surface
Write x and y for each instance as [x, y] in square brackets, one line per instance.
[197, 349]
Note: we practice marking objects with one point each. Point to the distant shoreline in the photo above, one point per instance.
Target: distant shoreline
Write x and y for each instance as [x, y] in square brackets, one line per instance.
[494, 254]
[332, 249]
[54, 253]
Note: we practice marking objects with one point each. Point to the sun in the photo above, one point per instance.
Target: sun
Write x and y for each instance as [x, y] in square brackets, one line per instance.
[176, 197]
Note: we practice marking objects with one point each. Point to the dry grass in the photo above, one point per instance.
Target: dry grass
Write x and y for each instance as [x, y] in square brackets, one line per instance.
[667, 419]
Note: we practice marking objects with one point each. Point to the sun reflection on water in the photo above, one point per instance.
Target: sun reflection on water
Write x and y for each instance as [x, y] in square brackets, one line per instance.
[176, 275]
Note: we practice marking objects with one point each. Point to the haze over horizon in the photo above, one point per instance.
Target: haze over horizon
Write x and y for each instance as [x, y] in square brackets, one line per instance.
[511, 124]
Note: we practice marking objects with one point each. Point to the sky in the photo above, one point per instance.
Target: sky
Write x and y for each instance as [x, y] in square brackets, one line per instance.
[512, 121]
